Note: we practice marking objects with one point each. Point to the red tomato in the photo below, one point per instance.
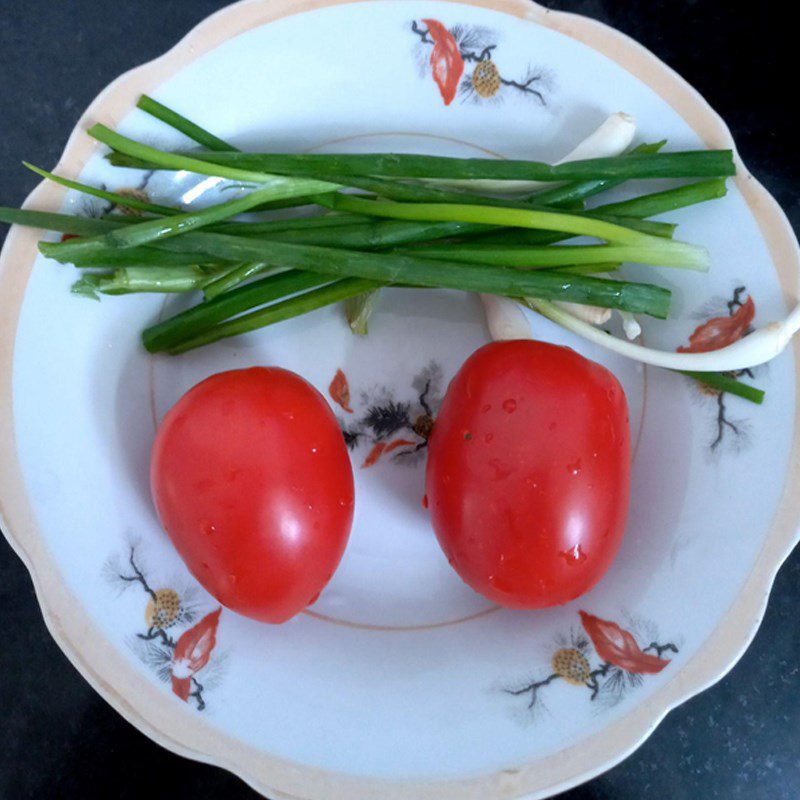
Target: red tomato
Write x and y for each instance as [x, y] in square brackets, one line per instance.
[528, 473]
[252, 482]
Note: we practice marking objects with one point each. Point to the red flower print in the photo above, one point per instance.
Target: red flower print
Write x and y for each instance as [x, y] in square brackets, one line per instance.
[446, 61]
[374, 455]
[721, 331]
[618, 647]
[384, 448]
[192, 652]
[339, 390]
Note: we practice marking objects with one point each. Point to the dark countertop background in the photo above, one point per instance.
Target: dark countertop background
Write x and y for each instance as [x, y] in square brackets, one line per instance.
[739, 739]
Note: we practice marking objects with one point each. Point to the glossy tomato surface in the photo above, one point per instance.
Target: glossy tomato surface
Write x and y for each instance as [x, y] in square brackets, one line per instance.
[528, 473]
[253, 484]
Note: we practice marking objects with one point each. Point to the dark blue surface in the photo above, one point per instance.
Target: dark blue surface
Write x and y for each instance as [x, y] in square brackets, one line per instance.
[740, 739]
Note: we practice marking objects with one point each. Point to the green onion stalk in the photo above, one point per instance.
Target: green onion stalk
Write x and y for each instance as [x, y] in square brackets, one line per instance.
[278, 312]
[686, 164]
[396, 268]
[679, 253]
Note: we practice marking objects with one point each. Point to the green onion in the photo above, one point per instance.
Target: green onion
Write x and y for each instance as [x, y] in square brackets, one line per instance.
[271, 226]
[278, 312]
[63, 223]
[185, 126]
[649, 205]
[194, 320]
[111, 197]
[644, 206]
[201, 136]
[563, 255]
[420, 193]
[233, 277]
[359, 310]
[391, 189]
[687, 164]
[283, 187]
[132, 280]
[180, 249]
[562, 196]
[726, 383]
[300, 201]
[304, 230]
[504, 217]
[144, 257]
[679, 252]
[591, 269]
[393, 268]
[364, 236]
[162, 228]
[374, 235]
[665, 230]
[571, 192]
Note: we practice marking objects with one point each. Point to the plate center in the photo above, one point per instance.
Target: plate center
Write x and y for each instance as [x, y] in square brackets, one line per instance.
[393, 574]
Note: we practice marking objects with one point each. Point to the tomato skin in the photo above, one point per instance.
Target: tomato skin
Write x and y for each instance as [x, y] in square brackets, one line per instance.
[252, 481]
[528, 474]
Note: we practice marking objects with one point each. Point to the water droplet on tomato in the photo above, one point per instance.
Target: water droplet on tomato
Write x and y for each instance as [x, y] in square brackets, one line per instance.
[552, 426]
[488, 438]
[486, 408]
[209, 529]
[574, 468]
[574, 555]
[510, 405]
[314, 450]
[424, 501]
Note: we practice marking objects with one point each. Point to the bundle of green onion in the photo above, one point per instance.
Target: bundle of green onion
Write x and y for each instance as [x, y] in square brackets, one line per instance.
[403, 229]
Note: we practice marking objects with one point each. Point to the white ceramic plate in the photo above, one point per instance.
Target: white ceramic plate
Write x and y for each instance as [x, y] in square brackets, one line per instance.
[394, 684]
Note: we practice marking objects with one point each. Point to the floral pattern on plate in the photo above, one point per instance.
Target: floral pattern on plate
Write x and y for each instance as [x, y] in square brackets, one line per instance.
[719, 331]
[389, 425]
[444, 53]
[623, 663]
[180, 659]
